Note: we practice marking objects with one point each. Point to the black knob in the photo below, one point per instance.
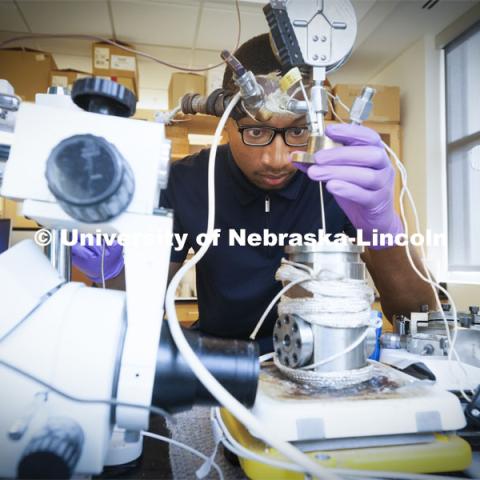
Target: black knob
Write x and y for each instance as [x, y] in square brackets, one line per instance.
[472, 410]
[424, 308]
[446, 307]
[473, 309]
[465, 320]
[99, 95]
[54, 452]
[90, 179]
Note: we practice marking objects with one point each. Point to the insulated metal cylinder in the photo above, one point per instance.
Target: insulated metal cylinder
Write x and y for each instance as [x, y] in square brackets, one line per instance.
[299, 343]
[342, 258]
[293, 341]
[328, 341]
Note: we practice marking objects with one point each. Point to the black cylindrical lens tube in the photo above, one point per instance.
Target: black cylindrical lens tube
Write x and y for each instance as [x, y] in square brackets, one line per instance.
[234, 363]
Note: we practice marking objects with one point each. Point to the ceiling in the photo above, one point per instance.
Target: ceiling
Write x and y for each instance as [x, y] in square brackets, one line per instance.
[201, 28]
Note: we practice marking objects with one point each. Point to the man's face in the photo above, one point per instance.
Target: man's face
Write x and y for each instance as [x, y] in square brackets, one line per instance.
[267, 167]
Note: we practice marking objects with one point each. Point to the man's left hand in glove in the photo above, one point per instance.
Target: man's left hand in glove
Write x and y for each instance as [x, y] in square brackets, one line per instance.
[360, 176]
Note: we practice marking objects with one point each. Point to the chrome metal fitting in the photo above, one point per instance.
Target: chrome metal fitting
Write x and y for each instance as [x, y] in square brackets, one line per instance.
[362, 106]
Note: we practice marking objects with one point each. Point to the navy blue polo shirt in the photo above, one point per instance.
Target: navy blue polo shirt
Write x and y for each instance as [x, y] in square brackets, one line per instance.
[236, 283]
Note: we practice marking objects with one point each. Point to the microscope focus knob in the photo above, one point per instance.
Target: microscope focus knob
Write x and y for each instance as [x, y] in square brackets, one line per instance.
[465, 320]
[473, 309]
[90, 178]
[54, 452]
[99, 95]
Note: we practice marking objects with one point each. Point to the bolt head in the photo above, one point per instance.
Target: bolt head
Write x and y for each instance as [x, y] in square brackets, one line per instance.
[315, 57]
[315, 38]
[324, 38]
[324, 57]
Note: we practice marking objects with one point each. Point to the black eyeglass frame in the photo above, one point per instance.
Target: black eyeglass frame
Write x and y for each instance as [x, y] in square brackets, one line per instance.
[275, 130]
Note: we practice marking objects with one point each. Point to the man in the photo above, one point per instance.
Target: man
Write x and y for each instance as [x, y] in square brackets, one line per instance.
[258, 188]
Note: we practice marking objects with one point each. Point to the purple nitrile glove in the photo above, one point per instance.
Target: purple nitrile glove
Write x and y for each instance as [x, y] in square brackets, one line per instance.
[88, 259]
[360, 176]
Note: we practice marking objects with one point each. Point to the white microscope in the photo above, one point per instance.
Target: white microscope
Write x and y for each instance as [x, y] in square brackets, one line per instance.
[77, 361]
[77, 169]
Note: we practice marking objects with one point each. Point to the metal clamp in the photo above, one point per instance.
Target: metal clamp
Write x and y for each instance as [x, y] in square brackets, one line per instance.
[8, 103]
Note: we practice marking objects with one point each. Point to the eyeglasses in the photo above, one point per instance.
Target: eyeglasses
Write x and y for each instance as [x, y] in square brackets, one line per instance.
[263, 136]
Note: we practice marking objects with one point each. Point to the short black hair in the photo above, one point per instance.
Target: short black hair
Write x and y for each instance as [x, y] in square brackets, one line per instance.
[256, 55]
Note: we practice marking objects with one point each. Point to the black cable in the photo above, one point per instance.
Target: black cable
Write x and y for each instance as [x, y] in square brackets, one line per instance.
[112, 401]
[4, 152]
[42, 300]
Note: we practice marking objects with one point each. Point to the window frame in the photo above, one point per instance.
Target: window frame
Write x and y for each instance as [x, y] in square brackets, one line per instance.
[449, 148]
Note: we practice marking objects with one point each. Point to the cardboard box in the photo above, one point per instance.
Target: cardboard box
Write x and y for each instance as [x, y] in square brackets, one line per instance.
[214, 79]
[329, 114]
[182, 83]
[129, 83]
[126, 82]
[109, 60]
[178, 135]
[386, 102]
[115, 63]
[27, 70]
[12, 210]
[66, 77]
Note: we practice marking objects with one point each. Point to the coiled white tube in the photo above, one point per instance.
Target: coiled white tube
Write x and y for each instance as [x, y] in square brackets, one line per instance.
[426, 278]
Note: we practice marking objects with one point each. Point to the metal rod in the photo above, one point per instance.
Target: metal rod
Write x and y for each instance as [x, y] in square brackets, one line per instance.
[60, 255]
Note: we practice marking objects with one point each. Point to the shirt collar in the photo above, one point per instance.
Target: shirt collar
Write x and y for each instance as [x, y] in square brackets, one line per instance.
[247, 192]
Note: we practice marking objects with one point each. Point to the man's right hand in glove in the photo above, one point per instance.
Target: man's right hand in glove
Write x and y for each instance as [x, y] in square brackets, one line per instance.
[88, 259]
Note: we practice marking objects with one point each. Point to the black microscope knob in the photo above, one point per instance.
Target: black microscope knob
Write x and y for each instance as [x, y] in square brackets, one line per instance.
[465, 320]
[473, 309]
[446, 307]
[90, 179]
[99, 95]
[54, 452]
[472, 410]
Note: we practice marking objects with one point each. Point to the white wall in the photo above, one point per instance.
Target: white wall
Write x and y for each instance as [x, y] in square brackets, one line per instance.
[408, 72]
[418, 73]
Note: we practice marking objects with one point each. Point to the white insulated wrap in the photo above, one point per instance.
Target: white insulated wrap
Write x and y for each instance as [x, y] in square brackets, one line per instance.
[335, 301]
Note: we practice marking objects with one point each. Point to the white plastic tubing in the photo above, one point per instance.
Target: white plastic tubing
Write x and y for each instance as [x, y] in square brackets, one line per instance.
[207, 379]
